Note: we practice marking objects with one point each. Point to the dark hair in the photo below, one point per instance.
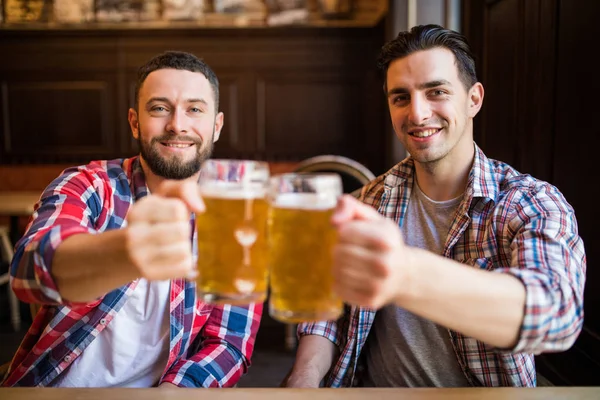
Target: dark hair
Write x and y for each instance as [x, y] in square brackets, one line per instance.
[177, 60]
[424, 37]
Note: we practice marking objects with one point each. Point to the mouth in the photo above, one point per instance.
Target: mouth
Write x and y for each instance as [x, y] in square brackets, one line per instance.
[424, 134]
[178, 145]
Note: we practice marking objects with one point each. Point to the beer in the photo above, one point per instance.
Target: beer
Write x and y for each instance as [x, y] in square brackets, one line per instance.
[232, 246]
[301, 241]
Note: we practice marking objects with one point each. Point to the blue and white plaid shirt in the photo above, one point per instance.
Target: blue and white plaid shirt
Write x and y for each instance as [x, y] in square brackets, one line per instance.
[509, 223]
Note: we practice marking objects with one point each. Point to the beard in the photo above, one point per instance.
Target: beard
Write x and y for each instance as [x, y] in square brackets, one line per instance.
[174, 167]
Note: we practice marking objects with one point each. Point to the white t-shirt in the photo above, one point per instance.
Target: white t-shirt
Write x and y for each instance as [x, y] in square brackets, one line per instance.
[133, 350]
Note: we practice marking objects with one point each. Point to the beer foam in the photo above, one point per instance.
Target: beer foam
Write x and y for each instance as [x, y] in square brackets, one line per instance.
[305, 201]
[233, 190]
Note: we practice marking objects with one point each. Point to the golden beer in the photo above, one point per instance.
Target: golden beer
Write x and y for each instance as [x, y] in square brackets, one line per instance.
[232, 245]
[301, 241]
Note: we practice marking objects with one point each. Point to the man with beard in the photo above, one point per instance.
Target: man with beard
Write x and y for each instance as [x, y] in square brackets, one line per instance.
[108, 262]
[458, 268]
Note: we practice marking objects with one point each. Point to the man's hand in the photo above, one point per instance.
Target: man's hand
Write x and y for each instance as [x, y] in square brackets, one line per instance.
[370, 261]
[158, 231]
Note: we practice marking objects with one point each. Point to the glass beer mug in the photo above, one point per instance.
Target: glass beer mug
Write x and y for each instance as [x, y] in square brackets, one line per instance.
[232, 247]
[301, 240]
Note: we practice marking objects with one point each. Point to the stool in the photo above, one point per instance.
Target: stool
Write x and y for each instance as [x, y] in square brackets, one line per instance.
[7, 251]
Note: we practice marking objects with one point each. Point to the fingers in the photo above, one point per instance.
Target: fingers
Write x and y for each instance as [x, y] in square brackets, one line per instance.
[161, 251]
[186, 191]
[161, 234]
[155, 209]
[359, 264]
[379, 235]
[348, 209]
[361, 275]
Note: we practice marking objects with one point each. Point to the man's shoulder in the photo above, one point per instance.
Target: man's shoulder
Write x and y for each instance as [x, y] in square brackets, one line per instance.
[100, 169]
[93, 177]
[515, 186]
[371, 193]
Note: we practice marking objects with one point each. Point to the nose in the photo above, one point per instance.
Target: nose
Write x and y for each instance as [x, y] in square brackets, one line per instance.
[177, 123]
[419, 110]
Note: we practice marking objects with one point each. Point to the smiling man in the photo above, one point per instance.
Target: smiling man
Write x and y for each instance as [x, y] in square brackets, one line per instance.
[108, 249]
[458, 268]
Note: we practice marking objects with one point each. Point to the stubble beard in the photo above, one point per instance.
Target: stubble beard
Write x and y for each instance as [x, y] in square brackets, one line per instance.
[174, 167]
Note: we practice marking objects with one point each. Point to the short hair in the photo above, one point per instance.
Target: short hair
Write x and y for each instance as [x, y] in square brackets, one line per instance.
[177, 60]
[425, 37]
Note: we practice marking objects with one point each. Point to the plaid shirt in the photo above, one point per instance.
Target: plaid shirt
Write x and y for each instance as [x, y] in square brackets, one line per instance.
[210, 346]
[507, 223]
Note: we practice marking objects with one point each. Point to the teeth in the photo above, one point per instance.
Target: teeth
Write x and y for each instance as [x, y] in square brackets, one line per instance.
[423, 134]
[177, 145]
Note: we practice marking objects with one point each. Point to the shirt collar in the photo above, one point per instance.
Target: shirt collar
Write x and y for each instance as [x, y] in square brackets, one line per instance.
[482, 181]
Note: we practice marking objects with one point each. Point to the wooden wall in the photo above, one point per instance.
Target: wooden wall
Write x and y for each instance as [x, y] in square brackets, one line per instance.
[287, 93]
[539, 116]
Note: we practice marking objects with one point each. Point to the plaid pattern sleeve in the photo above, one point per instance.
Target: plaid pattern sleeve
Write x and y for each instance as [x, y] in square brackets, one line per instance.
[327, 329]
[65, 208]
[225, 346]
[548, 256]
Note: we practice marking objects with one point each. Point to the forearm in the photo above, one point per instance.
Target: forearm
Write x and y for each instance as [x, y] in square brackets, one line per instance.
[314, 358]
[486, 306]
[87, 266]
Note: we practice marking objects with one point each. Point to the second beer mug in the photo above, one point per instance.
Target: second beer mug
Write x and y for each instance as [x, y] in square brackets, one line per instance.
[301, 242]
[232, 248]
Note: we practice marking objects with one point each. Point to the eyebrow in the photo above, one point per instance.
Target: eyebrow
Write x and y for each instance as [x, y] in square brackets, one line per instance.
[426, 85]
[165, 100]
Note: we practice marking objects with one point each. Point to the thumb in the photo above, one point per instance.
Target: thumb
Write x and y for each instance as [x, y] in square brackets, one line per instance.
[350, 209]
[186, 190]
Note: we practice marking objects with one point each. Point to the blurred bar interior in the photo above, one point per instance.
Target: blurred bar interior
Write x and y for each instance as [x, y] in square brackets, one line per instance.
[298, 80]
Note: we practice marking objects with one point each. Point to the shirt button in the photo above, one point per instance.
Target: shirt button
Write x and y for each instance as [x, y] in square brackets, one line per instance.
[103, 321]
[67, 358]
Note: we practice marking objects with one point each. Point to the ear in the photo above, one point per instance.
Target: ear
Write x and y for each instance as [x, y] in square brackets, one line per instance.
[475, 99]
[134, 124]
[219, 121]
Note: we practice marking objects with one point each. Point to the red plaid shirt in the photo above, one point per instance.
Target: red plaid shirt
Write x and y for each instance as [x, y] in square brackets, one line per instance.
[507, 223]
[210, 346]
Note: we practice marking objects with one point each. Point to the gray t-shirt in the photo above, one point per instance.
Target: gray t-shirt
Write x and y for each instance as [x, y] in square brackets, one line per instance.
[404, 350]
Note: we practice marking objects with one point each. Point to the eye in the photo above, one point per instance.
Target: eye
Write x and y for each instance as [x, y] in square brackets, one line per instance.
[400, 99]
[195, 110]
[438, 92]
[158, 109]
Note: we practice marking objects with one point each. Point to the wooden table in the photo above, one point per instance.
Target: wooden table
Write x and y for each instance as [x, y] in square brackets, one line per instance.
[15, 205]
[545, 393]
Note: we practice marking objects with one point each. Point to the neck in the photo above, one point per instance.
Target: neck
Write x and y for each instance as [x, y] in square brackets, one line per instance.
[153, 181]
[445, 179]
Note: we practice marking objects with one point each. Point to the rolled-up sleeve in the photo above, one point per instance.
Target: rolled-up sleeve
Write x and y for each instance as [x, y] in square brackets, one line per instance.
[327, 329]
[224, 349]
[548, 257]
[68, 206]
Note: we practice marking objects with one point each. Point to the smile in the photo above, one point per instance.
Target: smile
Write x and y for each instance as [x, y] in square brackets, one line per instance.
[177, 145]
[424, 133]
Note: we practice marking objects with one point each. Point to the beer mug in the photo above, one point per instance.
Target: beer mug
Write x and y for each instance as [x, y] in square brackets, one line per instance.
[232, 247]
[301, 240]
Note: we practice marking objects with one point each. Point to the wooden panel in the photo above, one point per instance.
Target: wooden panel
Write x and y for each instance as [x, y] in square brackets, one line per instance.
[231, 139]
[517, 64]
[574, 168]
[244, 59]
[303, 115]
[534, 63]
[40, 118]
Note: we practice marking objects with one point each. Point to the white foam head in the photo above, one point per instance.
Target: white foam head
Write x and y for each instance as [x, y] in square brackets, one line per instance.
[232, 190]
[305, 201]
